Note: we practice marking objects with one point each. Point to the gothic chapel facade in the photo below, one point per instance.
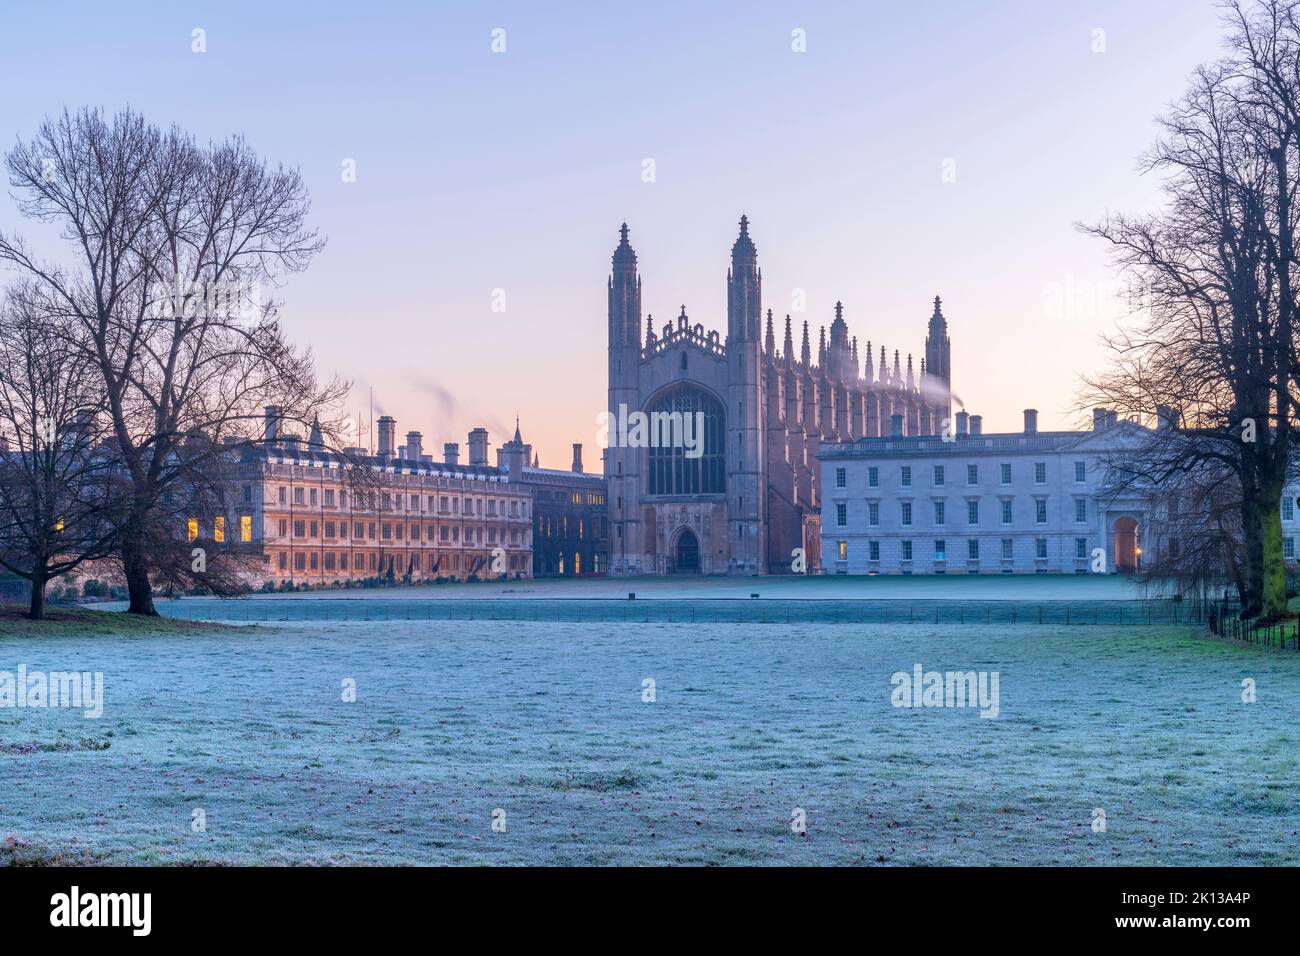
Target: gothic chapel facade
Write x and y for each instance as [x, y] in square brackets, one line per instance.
[749, 496]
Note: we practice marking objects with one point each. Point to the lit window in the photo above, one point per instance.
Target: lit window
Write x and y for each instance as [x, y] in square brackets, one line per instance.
[219, 529]
[844, 550]
[246, 528]
[192, 529]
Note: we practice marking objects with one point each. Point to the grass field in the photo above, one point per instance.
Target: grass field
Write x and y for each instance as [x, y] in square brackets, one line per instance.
[546, 722]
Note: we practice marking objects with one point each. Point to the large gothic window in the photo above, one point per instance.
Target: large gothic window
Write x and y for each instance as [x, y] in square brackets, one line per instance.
[671, 471]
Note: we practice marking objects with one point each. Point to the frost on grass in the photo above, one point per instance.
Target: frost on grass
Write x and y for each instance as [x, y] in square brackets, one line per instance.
[545, 721]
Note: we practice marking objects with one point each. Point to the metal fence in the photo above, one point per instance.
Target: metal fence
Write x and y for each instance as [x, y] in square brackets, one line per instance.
[707, 611]
[1225, 621]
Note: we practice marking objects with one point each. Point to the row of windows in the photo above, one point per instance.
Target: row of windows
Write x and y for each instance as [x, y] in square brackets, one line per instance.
[939, 474]
[394, 532]
[219, 529]
[1081, 550]
[388, 501]
[399, 564]
[972, 512]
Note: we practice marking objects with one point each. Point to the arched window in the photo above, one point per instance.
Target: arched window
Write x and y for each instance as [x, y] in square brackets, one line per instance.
[680, 460]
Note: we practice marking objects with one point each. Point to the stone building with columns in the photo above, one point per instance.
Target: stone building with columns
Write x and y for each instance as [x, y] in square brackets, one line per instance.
[747, 498]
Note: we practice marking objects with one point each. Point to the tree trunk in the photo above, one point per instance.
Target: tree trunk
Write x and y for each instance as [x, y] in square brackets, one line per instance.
[1253, 560]
[1273, 576]
[135, 567]
[36, 612]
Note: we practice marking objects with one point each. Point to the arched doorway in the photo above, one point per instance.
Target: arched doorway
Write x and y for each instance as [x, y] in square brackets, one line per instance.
[1127, 551]
[687, 553]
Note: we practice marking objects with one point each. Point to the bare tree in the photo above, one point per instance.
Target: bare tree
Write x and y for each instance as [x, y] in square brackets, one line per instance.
[58, 478]
[1215, 270]
[176, 249]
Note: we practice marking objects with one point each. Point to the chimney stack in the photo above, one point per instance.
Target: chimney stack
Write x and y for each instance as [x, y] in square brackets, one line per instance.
[478, 442]
[387, 436]
[1168, 416]
[577, 457]
[1098, 418]
[962, 419]
[1112, 418]
[895, 426]
[414, 445]
[451, 453]
[1031, 421]
[272, 422]
[977, 424]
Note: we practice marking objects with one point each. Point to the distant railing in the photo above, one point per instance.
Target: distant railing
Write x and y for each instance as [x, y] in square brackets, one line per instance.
[1224, 620]
[716, 611]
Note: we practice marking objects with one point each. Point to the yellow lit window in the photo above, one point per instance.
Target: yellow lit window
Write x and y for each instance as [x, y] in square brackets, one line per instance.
[58, 525]
[192, 529]
[219, 529]
[246, 528]
[844, 550]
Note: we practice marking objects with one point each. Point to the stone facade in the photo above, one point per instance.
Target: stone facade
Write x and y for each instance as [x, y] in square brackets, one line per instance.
[1011, 503]
[751, 498]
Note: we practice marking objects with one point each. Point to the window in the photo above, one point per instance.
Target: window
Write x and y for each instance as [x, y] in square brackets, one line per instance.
[281, 494]
[670, 470]
[300, 561]
[1080, 547]
[1080, 471]
[938, 512]
[1080, 509]
[873, 477]
[1040, 511]
[973, 549]
[907, 512]
[248, 494]
[841, 514]
[873, 513]
[1006, 472]
[246, 528]
[1288, 547]
[298, 496]
[907, 551]
[1006, 511]
[972, 512]
[1288, 509]
[873, 550]
[938, 474]
[940, 550]
[1006, 549]
[1040, 545]
[844, 550]
[192, 529]
[313, 497]
[219, 529]
[905, 476]
[972, 474]
[329, 497]
[841, 478]
[300, 529]
[1040, 472]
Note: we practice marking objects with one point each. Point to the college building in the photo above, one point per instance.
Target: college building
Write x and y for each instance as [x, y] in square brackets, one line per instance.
[974, 503]
[750, 493]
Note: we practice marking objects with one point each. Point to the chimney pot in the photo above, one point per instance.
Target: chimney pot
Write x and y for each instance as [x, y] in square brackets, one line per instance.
[962, 419]
[387, 436]
[977, 424]
[478, 442]
[1031, 421]
[577, 457]
[451, 453]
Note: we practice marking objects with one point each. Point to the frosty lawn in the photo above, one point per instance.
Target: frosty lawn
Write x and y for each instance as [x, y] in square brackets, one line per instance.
[546, 722]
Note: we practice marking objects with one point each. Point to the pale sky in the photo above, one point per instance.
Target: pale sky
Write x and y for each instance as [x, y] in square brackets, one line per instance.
[479, 171]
